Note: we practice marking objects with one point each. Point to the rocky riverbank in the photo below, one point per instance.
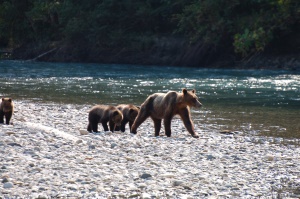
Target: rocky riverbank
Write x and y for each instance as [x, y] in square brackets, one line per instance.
[44, 155]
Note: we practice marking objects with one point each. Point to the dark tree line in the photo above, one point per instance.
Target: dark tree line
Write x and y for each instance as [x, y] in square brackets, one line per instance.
[245, 27]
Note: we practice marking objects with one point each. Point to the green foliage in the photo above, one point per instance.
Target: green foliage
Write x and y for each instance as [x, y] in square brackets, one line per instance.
[246, 26]
[251, 41]
[207, 20]
[250, 24]
[272, 19]
[13, 28]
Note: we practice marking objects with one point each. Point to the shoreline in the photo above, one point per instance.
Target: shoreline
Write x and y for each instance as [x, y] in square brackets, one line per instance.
[265, 63]
[40, 160]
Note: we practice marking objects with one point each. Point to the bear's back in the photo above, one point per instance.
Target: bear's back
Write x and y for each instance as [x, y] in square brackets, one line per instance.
[100, 111]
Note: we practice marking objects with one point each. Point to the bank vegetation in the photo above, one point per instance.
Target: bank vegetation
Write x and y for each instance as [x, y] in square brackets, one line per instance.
[178, 32]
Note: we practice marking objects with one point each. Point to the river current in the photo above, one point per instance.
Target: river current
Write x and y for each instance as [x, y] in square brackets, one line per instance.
[260, 102]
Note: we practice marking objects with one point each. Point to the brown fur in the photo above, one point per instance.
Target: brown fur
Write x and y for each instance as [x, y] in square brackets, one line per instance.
[129, 112]
[160, 106]
[104, 114]
[6, 110]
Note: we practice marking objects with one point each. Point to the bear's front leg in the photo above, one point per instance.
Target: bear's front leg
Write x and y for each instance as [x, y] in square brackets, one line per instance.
[130, 125]
[7, 117]
[112, 126]
[94, 126]
[157, 126]
[89, 128]
[186, 118]
[123, 124]
[104, 124]
[1, 117]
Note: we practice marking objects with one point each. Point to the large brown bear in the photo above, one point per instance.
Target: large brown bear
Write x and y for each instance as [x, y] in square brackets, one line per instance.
[6, 109]
[104, 114]
[129, 112]
[160, 106]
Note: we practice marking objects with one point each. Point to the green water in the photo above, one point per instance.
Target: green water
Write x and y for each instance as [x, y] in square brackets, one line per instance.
[249, 101]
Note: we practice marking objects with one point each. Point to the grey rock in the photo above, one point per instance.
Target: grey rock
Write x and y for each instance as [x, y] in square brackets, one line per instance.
[8, 185]
[5, 179]
[210, 157]
[113, 145]
[14, 144]
[177, 183]
[145, 176]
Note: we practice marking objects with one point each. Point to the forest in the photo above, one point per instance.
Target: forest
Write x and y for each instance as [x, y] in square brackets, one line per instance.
[163, 32]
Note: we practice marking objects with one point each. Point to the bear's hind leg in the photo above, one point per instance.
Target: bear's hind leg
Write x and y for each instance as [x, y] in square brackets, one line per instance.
[141, 117]
[167, 123]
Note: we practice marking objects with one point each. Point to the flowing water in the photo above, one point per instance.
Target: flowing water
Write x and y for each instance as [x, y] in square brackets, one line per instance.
[249, 101]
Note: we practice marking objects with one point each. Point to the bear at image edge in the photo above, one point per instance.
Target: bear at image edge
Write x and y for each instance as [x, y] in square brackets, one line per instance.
[104, 114]
[165, 106]
[6, 110]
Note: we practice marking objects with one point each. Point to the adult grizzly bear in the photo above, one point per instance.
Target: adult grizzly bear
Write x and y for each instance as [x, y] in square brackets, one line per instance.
[104, 114]
[129, 112]
[160, 106]
[6, 109]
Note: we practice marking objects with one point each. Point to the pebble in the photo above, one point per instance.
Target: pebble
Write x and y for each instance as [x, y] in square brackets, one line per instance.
[177, 183]
[8, 185]
[145, 176]
[146, 196]
[83, 132]
[48, 153]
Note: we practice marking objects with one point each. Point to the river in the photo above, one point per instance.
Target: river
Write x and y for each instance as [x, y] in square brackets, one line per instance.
[258, 102]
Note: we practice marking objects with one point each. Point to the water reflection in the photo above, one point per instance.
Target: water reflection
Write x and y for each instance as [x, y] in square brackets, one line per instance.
[250, 101]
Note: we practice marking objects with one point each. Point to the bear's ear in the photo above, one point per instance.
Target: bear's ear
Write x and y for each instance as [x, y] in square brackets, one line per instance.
[2, 99]
[193, 91]
[131, 110]
[139, 107]
[184, 91]
[9, 99]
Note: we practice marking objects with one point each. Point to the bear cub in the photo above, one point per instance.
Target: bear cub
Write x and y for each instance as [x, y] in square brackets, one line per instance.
[6, 110]
[129, 112]
[165, 106]
[104, 114]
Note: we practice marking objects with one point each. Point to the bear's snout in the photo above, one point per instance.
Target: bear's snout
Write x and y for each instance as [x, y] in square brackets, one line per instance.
[198, 104]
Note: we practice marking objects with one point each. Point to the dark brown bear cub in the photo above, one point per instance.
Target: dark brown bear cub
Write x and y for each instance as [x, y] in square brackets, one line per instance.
[160, 106]
[104, 114]
[129, 112]
[6, 110]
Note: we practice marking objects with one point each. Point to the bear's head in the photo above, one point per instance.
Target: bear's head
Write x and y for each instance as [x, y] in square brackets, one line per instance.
[117, 117]
[6, 105]
[190, 98]
[133, 112]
